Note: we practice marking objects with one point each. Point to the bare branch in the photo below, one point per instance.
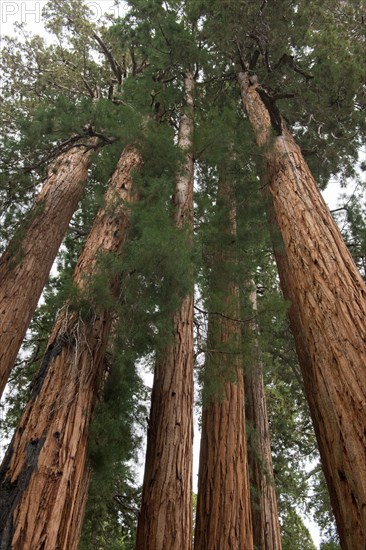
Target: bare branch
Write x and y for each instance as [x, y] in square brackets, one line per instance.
[113, 63]
[249, 320]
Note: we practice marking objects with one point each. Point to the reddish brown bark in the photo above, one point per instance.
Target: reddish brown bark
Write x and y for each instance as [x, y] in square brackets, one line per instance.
[44, 476]
[266, 526]
[25, 265]
[327, 316]
[165, 519]
[223, 517]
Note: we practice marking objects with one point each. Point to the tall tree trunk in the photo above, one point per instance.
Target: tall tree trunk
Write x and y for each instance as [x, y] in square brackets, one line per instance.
[223, 517]
[165, 519]
[25, 265]
[327, 314]
[44, 475]
[266, 526]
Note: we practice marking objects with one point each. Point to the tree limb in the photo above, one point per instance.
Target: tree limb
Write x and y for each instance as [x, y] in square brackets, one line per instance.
[113, 63]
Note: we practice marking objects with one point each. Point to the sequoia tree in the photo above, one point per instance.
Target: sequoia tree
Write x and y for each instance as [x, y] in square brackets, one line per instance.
[223, 506]
[59, 91]
[27, 261]
[266, 527]
[165, 518]
[45, 473]
[318, 73]
[327, 313]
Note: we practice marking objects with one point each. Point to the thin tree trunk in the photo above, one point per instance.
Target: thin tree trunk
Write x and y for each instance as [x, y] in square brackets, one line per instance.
[44, 476]
[266, 526]
[25, 265]
[165, 519]
[223, 517]
[327, 315]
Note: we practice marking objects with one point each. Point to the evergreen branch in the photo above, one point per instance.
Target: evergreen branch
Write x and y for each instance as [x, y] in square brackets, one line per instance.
[262, 7]
[133, 59]
[339, 209]
[241, 60]
[142, 66]
[309, 152]
[274, 114]
[112, 62]
[345, 206]
[196, 72]
[223, 352]
[121, 500]
[68, 144]
[266, 61]
[253, 60]
[296, 372]
[204, 312]
[297, 69]
[282, 95]
[74, 68]
[26, 363]
[258, 42]
[165, 37]
[161, 51]
[289, 60]
[167, 80]
[344, 138]
[61, 87]
[284, 59]
[63, 146]
[86, 84]
[93, 133]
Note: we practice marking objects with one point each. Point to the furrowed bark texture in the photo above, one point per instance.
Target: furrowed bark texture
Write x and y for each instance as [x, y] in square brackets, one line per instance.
[45, 474]
[25, 265]
[223, 517]
[327, 316]
[266, 526]
[165, 519]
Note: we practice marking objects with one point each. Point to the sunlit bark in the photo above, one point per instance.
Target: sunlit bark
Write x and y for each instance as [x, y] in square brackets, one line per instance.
[25, 265]
[165, 519]
[266, 526]
[44, 476]
[223, 517]
[327, 314]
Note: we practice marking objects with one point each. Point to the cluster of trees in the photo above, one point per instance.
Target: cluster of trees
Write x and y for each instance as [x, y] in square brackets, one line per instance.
[166, 161]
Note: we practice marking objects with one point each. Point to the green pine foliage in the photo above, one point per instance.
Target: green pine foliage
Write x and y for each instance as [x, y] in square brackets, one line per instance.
[295, 535]
[111, 512]
[309, 59]
[351, 218]
[329, 546]
[320, 506]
